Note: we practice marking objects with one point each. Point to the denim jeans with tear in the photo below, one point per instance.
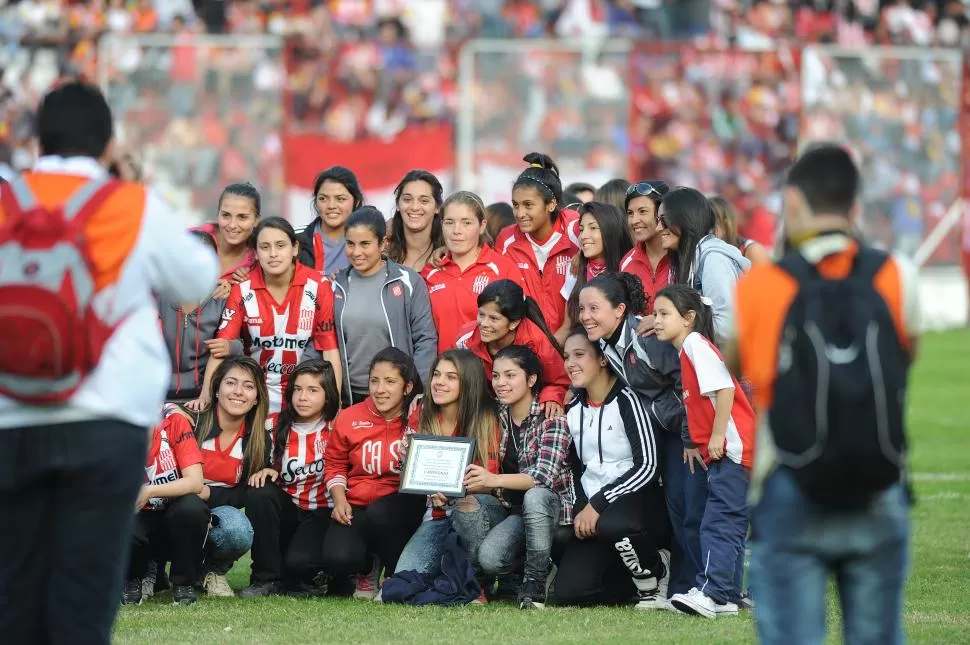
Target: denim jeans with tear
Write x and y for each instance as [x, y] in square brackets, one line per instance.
[229, 539]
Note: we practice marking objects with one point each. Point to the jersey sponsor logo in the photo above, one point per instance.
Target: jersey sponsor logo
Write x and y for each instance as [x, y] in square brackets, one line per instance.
[312, 296]
[361, 424]
[254, 321]
[249, 296]
[281, 342]
[273, 367]
[480, 283]
[294, 470]
[227, 315]
[325, 326]
[437, 287]
[372, 457]
[397, 291]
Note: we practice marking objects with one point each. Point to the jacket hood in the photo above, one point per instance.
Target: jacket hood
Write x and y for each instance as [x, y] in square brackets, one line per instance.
[712, 243]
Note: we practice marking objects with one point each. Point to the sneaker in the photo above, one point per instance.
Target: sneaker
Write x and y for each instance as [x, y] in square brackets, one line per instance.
[747, 602]
[695, 602]
[366, 584]
[216, 586]
[532, 594]
[259, 589]
[648, 591]
[379, 598]
[664, 581]
[727, 609]
[148, 582]
[481, 600]
[132, 593]
[183, 595]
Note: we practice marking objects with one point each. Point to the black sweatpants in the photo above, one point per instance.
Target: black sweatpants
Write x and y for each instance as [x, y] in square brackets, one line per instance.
[287, 540]
[383, 529]
[175, 533]
[629, 534]
[67, 510]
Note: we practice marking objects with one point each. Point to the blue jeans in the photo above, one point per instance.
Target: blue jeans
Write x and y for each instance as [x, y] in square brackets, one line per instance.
[797, 544]
[423, 550]
[229, 539]
[524, 539]
[723, 531]
[473, 517]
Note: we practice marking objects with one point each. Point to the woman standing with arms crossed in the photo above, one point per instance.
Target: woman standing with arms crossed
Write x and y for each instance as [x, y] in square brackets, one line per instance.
[378, 303]
[469, 265]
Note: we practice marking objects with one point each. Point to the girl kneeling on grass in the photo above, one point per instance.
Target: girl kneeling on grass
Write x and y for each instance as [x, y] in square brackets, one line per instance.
[621, 526]
[287, 503]
[172, 520]
[371, 521]
[721, 423]
[457, 405]
[533, 490]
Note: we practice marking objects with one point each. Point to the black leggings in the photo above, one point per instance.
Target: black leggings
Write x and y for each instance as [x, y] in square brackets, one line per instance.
[383, 528]
[600, 570]
[286, 538]
[178, 532]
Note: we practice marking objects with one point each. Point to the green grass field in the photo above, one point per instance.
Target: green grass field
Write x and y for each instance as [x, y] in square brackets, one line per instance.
[937, 596]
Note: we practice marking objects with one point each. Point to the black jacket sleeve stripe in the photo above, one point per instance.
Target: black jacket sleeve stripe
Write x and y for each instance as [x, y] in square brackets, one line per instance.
[639, 432]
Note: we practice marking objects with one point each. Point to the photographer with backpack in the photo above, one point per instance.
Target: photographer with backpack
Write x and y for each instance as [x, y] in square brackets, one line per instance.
[83, 368]
[829, 491]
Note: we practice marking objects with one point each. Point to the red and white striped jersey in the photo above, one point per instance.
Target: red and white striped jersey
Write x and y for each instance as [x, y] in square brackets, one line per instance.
[173, 450]
[222, 465]
[278, 334]
[301, 468]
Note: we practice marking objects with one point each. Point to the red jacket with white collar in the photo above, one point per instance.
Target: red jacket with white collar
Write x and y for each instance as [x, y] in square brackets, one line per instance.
[554, 378]
[364, 454]
[545, 280]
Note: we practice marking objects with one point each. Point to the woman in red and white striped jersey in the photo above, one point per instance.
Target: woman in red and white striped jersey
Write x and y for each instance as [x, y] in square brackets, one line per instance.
[287, 503]
[235, 446]
[467, 268]
[283, 312]
[170, 512]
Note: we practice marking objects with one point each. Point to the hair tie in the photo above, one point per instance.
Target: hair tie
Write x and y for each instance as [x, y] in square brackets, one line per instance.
[536, 165]
[707, 301]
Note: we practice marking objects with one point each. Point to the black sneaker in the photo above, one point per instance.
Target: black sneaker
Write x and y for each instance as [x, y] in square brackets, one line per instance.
[132, 593]
[306, 590]
[183, 595]
[262, 589]
[532, 594]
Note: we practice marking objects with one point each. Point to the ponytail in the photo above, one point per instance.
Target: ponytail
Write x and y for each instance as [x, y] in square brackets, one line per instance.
[543, 175]
[512, 303]
[686, 299]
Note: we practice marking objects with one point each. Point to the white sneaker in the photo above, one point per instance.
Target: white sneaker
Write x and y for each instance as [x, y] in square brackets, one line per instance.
[366, 584]
[695, 602]
[727, 609]
[664, 582]
[217, 586]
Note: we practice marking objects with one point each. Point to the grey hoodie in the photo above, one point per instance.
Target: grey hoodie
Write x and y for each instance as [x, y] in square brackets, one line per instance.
[407, 310]
[714, 272]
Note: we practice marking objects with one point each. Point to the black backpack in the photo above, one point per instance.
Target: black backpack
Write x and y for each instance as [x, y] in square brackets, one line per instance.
[837, 413]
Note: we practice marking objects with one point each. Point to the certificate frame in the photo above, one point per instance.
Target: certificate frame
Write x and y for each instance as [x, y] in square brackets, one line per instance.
[425, 452]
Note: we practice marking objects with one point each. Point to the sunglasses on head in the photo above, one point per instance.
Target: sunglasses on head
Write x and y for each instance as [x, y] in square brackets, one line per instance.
[643, 188]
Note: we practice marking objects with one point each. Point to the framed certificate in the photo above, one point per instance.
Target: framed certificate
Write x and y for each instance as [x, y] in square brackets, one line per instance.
[437, 465]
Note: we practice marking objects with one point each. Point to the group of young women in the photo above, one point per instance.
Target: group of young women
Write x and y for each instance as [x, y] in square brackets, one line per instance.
[577, 347]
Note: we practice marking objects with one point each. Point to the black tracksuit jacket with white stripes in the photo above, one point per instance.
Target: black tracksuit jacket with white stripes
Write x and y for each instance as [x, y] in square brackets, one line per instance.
[614, 452]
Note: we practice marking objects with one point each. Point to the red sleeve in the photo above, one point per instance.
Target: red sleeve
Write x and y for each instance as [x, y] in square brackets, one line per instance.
[553, 372]
[503, 235]
[324, 335]
[182, 439]
[231, 325]
[336, 457]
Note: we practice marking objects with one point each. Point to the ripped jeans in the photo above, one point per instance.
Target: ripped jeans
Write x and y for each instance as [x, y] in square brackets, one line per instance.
[500, 542]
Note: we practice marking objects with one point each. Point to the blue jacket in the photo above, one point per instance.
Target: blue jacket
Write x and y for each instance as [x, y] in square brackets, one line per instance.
[451, 582]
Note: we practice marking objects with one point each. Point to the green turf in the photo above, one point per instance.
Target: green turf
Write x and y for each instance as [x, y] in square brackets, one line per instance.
[936, 602]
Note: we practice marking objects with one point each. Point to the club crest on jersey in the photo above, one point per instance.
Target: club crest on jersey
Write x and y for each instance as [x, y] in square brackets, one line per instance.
[562, 264]
[480, 283]
[227, 315]
[306, 319]
[397, 291]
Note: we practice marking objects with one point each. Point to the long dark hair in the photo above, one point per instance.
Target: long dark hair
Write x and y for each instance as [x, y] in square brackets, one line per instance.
[397, 248]
[543, 175]
[616, 243]
[528, 362]
[686, 299]
[621, 289]
[515, 305]
[612, 192]
[477, 416]
[404, 365]
[690, 212]
[323, 370]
